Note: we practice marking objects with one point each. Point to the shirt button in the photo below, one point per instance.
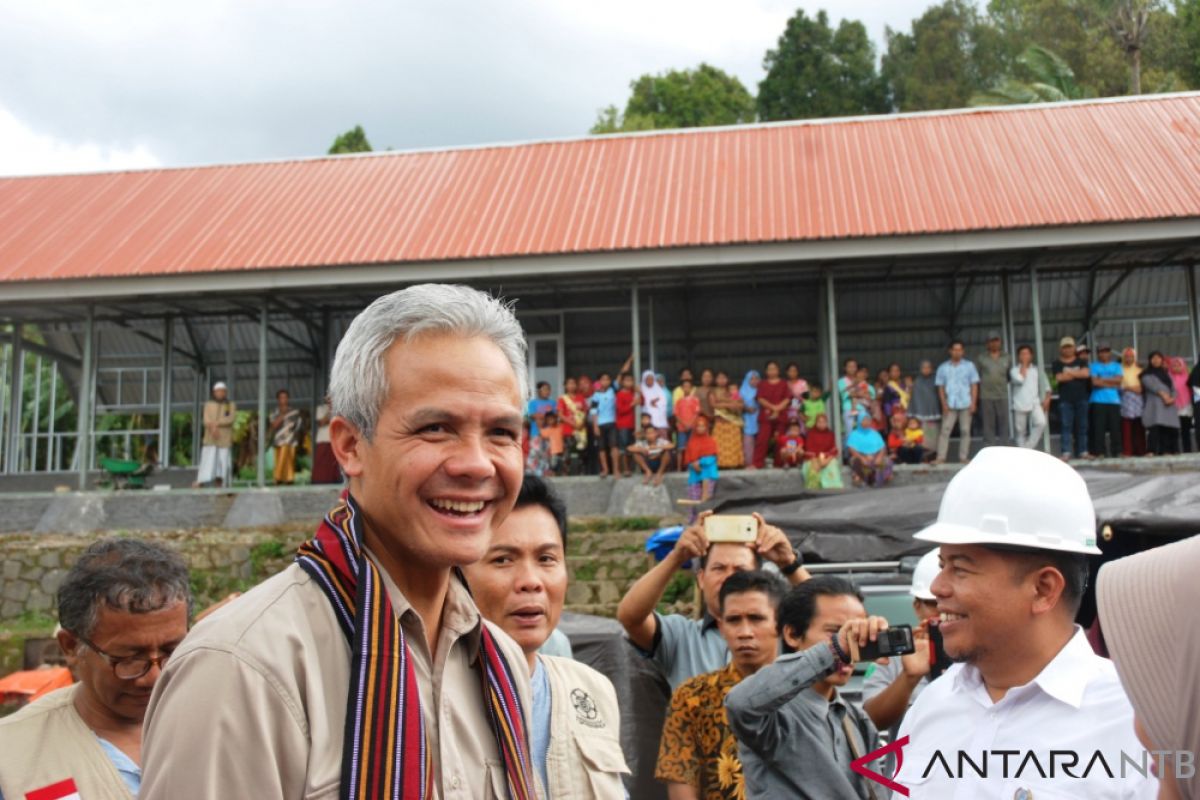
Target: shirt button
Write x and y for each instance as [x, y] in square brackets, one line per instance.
[455, 782]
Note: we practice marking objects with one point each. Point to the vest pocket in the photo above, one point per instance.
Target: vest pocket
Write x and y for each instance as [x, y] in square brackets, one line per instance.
[604, 763]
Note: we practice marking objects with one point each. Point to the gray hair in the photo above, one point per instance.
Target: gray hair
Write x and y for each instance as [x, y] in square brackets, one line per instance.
[126, 575]
[358, 384]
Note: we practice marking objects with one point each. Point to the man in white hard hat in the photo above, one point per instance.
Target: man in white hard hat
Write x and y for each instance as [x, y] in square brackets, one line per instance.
[1030, 705]
[891, 688]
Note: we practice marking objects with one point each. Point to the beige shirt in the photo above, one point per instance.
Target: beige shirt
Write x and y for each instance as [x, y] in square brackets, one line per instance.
[47, 742]
[222, 415]
[253, 703]
[584, 761]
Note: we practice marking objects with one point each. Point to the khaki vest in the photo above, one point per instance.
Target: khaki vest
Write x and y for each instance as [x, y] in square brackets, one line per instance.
[585, 761]
[46, 743]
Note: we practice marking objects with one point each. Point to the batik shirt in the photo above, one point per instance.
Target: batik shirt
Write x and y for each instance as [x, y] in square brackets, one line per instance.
[698, 747]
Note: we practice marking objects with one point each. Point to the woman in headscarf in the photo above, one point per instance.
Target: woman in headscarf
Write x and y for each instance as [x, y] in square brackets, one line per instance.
[727, 425]
[1133, 433]
[654, 403]
[749, 395]
[700, 459]
[798, 388]
[1161, 415]
[661, 379]
[869, 462]
[774, 398]
[1183, 401]
[822, 469]
[1146, 602]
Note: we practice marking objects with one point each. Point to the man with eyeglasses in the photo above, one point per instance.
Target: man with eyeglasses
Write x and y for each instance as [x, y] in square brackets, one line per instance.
[123, 608]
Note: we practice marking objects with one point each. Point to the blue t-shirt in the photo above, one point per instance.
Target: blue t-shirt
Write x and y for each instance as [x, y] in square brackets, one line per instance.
[537, 406]
[540, 735]
[1108, 395]
[605, 404]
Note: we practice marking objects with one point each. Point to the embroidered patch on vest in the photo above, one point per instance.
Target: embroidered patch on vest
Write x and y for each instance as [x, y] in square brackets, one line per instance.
[586, 712]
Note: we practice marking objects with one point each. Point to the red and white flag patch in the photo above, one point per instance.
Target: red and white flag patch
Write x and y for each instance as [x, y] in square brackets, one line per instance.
[63, 790]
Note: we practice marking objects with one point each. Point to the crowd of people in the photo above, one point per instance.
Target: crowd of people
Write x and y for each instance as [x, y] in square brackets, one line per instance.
[404, 652]
[1107, 407]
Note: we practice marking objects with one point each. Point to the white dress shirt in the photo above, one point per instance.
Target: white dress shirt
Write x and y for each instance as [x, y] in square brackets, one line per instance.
[1075, 704]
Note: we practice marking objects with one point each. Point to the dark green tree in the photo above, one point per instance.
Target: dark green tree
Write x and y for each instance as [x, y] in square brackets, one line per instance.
[691, 98]
[352, 141]
[816, 71]
[950, 54]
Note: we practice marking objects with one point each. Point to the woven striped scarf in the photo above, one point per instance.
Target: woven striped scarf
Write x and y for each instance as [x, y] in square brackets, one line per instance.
[384, 752]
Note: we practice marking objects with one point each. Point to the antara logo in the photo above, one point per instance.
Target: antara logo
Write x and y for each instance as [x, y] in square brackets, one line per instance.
[1019, 764]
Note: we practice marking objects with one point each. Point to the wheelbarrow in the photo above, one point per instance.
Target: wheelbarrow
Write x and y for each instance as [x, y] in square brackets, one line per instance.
[126, 474]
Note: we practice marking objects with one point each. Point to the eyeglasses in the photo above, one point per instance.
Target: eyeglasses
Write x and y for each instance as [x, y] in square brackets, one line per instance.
[127, 668]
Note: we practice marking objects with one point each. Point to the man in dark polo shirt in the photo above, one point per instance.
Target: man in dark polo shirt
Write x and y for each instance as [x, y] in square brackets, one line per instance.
[1074, 387]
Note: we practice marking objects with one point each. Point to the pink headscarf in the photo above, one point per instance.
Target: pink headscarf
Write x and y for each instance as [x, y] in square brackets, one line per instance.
[1179, 376]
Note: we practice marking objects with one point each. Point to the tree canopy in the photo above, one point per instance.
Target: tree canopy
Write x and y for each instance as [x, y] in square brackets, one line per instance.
[816, 71]
[352, 141]
[689, 98]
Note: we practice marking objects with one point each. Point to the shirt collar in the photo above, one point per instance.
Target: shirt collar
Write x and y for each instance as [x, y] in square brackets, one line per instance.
[1065, 678]
[459, 614]
[708, 622]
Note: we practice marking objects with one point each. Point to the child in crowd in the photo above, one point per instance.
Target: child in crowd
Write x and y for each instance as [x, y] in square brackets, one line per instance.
[789, 447]
[627, 399]
[914, 439]
[552, 432]
[895, 437]
[652, 453]
[814, 406]
[701, 461]
[822, 469]
[537, 454]
[687, 409]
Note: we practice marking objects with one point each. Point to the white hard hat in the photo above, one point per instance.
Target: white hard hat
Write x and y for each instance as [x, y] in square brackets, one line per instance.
[219, 385]
[1017, 498]
[927, 569]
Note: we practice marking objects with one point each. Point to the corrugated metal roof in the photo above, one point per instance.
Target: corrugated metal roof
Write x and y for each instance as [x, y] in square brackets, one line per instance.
[1067, 164]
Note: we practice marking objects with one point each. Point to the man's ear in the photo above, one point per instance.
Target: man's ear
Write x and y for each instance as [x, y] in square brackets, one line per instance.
[69, 644]
[348, 445]
[1048, 585]
[791, 639]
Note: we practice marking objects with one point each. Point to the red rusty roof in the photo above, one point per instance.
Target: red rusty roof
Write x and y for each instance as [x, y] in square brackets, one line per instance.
[974, 170]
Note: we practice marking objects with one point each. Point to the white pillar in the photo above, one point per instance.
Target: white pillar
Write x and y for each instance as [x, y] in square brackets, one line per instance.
[87, 391]
[260, 459]
[1193, 311]
[165, 386]
[1039, 342]
[835, 402]
[16, 400]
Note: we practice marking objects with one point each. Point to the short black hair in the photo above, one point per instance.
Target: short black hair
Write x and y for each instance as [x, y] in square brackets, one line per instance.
[958, 342]
[282, 391]
[688, 370]
[536, 491]
[540, 384]
[754, 580]
[758, 559]
[797, 609]
[849, 361]
[1074, 567]
[1025, 347]
[604, 375]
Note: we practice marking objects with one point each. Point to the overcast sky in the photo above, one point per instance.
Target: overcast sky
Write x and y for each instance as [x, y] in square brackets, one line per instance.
[104, 85]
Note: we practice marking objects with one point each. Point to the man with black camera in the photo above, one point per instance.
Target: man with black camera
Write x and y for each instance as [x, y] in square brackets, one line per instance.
[686, 647]
[797, 735]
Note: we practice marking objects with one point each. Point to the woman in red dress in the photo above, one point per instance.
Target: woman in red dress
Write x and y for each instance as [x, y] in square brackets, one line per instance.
[774, 398]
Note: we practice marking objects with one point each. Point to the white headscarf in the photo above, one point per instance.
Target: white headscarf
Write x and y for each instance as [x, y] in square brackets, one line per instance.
[654, 400]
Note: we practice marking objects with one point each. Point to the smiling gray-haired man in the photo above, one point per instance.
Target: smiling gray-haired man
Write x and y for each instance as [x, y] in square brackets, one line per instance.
[365, 669]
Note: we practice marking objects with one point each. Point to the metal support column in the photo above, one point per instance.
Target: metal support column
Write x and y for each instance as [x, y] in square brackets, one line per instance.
[261, 457]
[165, 386]
[87, 391]
[197, 414]
[1039, 342]
[35, 425]
[53, 451]
[650, 330]
[228, 377]
[834, 402]
[636, 317]
[1009, 345]
[16, 402]
[1193, 311]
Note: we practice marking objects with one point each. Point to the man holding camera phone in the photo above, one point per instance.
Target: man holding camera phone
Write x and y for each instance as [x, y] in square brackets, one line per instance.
[797, 735]
[686, 647]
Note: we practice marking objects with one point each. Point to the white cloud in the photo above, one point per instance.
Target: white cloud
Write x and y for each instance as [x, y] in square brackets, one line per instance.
[24, 151]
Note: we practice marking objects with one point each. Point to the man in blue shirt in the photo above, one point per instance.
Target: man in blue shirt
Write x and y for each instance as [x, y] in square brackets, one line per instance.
[604, 407]
[1105, 410]
[958, 389]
